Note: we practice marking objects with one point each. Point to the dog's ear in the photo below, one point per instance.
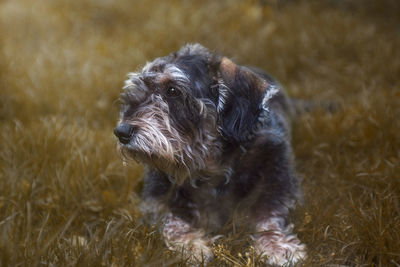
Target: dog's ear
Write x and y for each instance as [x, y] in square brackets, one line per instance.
[241, 92]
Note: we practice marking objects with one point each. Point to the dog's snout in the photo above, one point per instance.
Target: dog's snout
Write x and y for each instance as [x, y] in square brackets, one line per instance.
[124, 132]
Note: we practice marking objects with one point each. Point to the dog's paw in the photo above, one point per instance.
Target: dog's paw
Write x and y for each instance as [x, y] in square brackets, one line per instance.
[193, 244]
[279, 249]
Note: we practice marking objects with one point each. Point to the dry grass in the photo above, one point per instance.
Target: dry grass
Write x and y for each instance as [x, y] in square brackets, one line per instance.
[65, 197]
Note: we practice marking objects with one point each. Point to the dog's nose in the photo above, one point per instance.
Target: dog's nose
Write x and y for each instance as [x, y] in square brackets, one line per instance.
[124, 132]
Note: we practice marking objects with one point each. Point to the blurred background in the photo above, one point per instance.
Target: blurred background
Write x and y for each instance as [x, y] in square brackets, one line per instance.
[66, 199]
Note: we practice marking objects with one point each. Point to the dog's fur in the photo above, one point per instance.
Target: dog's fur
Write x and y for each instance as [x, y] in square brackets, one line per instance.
[215, 140]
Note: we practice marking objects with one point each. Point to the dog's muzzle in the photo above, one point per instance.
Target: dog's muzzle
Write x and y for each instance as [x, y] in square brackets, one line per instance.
[124, 132]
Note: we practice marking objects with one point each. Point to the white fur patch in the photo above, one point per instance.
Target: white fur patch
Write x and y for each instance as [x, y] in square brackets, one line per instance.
[223, 91]
[270, 93]
[180, 237]
[203, 108]
[192, 49]
[147, 67]
[128, 84]
[277, 244]
[176, 73]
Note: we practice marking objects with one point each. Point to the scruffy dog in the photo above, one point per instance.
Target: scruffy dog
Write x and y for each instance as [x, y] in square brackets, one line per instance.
[215, 140]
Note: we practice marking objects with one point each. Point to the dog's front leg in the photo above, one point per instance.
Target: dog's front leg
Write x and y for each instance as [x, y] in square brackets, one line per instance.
[180, 236]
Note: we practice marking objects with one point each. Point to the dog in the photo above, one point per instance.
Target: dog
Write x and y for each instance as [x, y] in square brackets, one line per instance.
[214, 138]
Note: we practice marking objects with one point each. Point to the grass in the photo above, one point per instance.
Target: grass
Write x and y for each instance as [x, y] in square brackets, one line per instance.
[66, 199]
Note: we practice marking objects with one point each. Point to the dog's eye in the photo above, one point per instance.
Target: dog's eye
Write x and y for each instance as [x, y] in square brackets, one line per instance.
[173, 92]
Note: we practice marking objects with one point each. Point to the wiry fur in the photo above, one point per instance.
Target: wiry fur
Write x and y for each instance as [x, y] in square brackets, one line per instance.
[156, 139]
[180, 236]
[275, 241]
[215, 139]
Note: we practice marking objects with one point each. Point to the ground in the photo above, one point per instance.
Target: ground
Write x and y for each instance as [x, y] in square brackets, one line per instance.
[67, 198]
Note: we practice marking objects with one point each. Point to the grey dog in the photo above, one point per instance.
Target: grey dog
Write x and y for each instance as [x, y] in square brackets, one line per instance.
[215, 139]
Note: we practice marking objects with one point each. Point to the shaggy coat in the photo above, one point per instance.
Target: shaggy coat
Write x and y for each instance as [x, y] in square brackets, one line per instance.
[215, 140]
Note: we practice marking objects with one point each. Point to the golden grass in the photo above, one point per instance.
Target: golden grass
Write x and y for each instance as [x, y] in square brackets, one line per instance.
[65, 196]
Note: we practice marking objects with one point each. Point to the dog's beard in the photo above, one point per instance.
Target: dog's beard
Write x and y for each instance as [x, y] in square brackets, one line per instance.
[159, 144]
[155, 141]
[176, 171]
[180, 166]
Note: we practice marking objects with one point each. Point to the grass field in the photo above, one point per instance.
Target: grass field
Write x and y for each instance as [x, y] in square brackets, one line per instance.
[66, 199]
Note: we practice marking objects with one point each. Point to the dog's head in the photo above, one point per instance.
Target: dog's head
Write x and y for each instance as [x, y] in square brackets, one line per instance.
[180, 111]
